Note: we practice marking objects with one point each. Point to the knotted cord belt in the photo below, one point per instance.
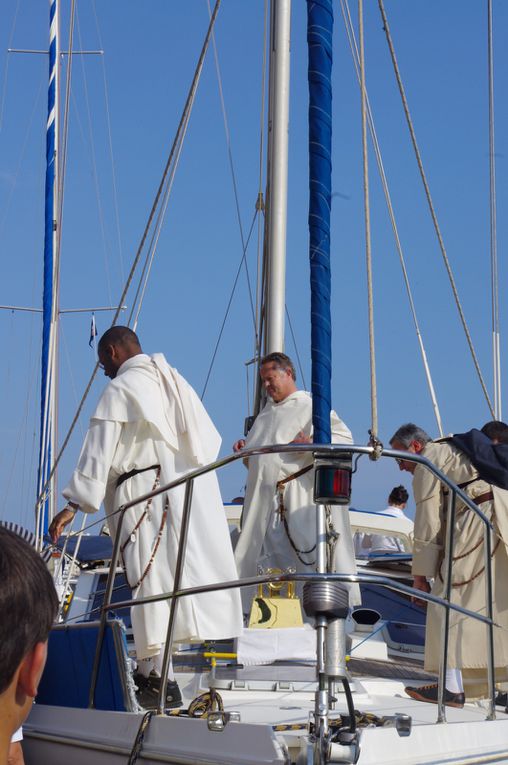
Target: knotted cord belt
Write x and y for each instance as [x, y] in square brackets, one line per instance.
[132, 536]
[281, 485]
[120, 480]
[487, 496]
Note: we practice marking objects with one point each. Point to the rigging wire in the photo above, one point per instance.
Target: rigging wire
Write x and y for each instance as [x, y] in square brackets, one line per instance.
[65, 133]
[493, 227]
[7, 205]
[95, 173]
[244, 254]
[152, 248]
[188, 105]
[233, 174]
[6, 70]
[110, 144]
[260, 205]
[298, 360]
[262, 224]
[377, 151]
[431, 204]
[21, 432]
[26, 490]
[368, 250]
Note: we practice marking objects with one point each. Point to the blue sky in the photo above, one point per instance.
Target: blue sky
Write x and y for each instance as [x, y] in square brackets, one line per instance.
[150, 55]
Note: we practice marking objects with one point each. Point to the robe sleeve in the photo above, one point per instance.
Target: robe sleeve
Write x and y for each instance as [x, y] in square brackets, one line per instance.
[340, 431]
[87, 486]
[428, 541]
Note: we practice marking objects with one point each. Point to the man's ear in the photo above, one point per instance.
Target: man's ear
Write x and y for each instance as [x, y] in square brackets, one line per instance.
[30, 670]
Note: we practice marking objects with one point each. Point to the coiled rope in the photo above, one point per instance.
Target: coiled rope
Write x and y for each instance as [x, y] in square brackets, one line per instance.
[138, 741]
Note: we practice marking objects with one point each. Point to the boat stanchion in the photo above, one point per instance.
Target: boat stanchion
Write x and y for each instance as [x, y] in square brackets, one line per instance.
[328, 603]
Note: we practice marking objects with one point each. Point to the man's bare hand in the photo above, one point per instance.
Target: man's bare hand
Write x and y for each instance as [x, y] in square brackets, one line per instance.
[420, 583]
[59, 522]
[239, 445]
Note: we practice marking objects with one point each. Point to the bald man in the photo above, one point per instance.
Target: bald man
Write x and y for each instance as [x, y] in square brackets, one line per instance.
[150, 428]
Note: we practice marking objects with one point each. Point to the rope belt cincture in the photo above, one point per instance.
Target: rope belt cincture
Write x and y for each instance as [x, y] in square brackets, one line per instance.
[281, 485]
[122, 478]
[487, 496]
[131, 537]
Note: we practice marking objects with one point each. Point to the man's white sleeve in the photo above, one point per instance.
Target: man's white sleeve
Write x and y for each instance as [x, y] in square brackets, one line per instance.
[340, 431]
[87, 486]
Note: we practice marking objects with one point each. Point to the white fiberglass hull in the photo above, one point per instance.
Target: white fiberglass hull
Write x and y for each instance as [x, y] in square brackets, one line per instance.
[59, 736]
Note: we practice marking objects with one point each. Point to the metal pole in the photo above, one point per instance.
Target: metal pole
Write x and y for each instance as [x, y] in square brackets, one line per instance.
[278, 125]
[187, 503]
[105, 605]
[321, 705]
[493, 227]
[491, 715]
[445, 624]
[56, 287]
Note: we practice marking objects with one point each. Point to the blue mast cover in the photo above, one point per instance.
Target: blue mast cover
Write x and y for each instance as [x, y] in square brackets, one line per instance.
[319, 39]
[49, 268]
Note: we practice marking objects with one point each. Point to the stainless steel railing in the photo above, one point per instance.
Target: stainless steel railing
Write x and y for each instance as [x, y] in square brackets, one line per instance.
[326, 450]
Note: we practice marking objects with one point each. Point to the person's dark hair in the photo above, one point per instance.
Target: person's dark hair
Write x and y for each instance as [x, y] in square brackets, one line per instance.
[398, 496]
[281, 360]
[496, 431]
[408, 433]
[119, 335]
[28, 603]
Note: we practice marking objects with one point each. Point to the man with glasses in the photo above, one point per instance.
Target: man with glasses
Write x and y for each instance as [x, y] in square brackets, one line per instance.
[467, 646]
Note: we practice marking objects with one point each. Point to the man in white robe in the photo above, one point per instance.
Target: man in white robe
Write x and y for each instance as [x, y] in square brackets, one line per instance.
[265, 540]
[148, 429]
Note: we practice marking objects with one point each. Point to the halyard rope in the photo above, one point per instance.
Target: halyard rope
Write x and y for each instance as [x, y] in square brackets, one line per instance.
[368, 250]
[431, 204]
[377, 151]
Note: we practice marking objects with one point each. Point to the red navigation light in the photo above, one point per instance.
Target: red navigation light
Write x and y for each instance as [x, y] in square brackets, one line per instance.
[332, 482]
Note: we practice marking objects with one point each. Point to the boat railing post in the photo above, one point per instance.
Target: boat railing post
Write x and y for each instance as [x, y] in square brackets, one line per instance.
[105, 606]
[321, 706]
[189, 488]
[491, 714]
[445, 623]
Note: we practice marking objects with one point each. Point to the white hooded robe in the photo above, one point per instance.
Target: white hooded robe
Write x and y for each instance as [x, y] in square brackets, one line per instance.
[149, 415]
[263, 540]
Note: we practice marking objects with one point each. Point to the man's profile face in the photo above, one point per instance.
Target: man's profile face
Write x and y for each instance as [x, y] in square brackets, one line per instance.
[413, 448]
[106, 362]
[277, 382]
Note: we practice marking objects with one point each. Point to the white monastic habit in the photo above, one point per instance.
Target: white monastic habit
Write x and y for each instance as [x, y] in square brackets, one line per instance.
[149, 416]
[264, 539]
[467, 640]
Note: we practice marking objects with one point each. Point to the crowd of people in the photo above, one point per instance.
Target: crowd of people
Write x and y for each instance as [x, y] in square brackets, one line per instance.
[150, 428]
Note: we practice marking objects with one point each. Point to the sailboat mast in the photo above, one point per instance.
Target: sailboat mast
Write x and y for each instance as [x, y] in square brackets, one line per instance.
[319, 36]
[278, 126]
[48, 429]
[496, 345]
